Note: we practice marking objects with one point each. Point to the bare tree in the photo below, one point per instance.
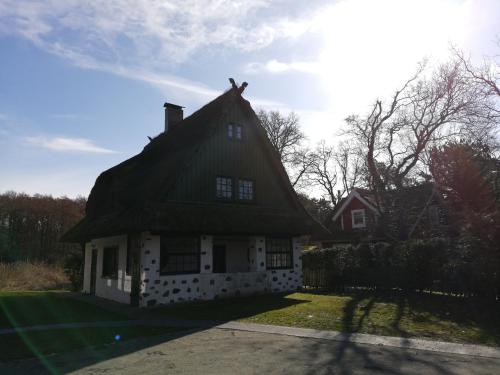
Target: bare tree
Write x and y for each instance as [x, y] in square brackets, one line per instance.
[301, 163]
[283, 132]
[323, 171]
[335, 172]
[350, 166]
[487, 75]
[394, 135]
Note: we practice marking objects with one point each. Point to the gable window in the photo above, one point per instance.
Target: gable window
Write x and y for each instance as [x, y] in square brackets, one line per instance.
[110, 262]
[245, 190]
[234, 131]
[278, 253]
[224, 187]
[358, 218]
[179, 255]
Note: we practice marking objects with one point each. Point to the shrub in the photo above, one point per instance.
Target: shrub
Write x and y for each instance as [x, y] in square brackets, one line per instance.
[73, 268]
[31, 276]
[466, 266]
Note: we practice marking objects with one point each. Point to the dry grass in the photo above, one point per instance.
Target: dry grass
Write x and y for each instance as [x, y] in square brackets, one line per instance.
[32, 276]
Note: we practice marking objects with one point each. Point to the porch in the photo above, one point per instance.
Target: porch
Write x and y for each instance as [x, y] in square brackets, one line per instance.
[169, 269]
[221, 266]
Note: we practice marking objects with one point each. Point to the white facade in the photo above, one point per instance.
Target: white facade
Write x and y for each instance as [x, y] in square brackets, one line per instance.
[245, 263]
[115, 289]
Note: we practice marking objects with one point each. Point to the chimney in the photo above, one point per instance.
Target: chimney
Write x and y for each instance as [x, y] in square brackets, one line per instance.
[173, 115]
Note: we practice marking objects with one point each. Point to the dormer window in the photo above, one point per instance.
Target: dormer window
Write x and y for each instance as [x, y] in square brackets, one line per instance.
[358, 218]
[224, 187]
[245, 190]
[234, 131]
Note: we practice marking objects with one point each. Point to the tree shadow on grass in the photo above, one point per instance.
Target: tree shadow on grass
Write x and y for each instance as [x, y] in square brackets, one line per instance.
[347, 357]
[419, 314]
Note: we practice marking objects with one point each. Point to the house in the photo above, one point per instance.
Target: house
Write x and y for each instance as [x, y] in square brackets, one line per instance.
[417, 211]
[206, 210]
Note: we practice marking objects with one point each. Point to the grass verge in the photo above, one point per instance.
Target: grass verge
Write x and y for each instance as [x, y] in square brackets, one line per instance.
[35, 308]
[42, 343]
[426, 316]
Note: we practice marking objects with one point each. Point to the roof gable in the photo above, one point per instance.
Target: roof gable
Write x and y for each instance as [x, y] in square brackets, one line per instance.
[347, 201]
[137, 186]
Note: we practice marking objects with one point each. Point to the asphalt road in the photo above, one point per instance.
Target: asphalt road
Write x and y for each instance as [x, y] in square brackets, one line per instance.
[219, 351]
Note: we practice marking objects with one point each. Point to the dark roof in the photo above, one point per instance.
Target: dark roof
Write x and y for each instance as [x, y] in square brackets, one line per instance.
[411, 197]
[128, 197]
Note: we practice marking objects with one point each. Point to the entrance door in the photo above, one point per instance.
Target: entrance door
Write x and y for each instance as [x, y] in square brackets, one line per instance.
[93, 264]
[219, 259]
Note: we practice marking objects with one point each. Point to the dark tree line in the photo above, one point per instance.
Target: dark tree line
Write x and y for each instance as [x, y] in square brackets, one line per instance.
[30, 227]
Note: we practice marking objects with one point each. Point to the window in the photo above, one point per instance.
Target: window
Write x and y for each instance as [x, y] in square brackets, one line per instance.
[245, 190]
[358, 218]
[179, 255]
[224, 187]
[234, 131]
[110, 262]
[278, 253]
[128, 267]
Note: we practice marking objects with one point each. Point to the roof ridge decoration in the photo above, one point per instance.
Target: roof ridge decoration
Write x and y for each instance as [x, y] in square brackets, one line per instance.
[235, 86]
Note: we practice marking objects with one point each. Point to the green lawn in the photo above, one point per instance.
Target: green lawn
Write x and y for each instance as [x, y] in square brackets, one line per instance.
[19, 309]
[41, 343]
[35, 308]
[428, 316]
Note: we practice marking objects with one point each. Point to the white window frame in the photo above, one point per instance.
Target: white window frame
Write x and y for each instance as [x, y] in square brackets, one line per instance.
[362, 225]
[238, 132]
[245, 190]
[223, 182]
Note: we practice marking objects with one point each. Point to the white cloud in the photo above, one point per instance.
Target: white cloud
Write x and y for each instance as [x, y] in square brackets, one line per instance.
[367, 47]
[275, 66]
[64, 116]
[68, 145]
[142, 39]
[155, 32]
[3, 116]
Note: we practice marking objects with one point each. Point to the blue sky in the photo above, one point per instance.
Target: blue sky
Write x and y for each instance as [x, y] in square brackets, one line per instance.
[82, 84]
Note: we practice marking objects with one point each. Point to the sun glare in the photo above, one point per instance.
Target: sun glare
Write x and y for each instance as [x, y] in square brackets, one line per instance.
[371, 47]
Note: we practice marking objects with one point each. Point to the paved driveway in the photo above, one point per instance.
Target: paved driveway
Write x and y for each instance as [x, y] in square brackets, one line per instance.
[221, 351]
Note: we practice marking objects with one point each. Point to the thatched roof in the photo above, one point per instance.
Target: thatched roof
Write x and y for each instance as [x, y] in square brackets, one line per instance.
[130, 196]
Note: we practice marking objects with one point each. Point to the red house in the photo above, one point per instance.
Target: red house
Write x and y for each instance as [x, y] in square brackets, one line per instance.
[355, 213]
[356, 218]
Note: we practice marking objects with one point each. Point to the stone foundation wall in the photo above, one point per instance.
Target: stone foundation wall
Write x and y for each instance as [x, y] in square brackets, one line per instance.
[159, 289]
[288, 279]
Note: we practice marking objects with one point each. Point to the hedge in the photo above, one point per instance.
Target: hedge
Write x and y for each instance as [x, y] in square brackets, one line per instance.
[458, 267]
